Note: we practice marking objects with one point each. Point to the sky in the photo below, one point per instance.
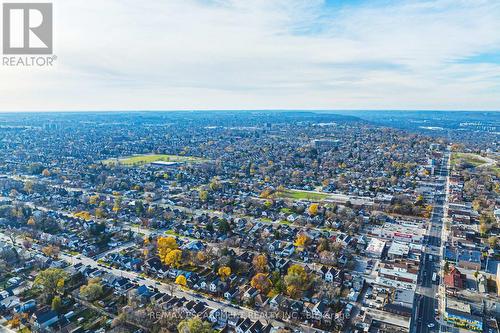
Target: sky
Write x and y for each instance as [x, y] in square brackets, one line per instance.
[265, 54]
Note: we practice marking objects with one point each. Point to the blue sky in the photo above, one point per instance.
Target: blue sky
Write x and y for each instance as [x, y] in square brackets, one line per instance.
[265, 54]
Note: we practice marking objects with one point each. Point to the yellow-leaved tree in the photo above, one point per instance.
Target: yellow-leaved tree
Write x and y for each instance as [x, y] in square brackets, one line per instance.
[224, 272]
[165, 245]
[174, 258]
[181, 280]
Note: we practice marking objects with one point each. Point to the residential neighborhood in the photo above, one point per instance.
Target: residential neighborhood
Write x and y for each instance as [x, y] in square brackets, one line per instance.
[251, 222]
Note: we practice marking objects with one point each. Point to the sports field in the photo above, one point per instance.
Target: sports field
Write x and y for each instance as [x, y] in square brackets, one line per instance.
[470, 158]
[150, 158]
[302, 195]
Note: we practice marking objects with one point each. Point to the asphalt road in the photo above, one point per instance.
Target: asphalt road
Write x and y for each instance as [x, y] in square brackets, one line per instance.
[426, 301]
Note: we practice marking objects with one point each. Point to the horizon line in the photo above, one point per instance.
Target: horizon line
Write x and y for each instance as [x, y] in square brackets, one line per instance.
[245, 110]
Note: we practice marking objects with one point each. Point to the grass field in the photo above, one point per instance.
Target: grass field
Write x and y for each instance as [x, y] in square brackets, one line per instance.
[472, 159]
[302, 195]
[150, 158]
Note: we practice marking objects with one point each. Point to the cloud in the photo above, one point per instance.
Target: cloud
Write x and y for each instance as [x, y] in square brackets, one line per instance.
[264, 54]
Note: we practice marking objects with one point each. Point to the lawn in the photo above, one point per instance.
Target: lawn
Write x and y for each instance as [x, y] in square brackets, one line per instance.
[150, 158]
[302, 195]
[470, 158]
[495, 169]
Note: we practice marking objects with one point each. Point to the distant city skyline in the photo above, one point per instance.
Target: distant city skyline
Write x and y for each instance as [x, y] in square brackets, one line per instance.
[264, 55]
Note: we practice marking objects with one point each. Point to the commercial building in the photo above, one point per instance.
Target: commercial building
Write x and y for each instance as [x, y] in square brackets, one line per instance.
[459, 315]
[469, 259]
[408, 233]
[375, 248]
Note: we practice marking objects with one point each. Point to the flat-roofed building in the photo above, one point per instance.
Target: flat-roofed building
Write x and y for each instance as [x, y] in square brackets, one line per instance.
[375, 248]
[407, 233]
[459, 315]
[398, 250]
[469, 259]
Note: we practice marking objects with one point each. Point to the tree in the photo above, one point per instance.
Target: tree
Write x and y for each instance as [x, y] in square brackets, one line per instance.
[203, 195]
[92, 291]
[31, 221]
[260, 263]
[15, 322]
[323, 245]
[214, 184]
[493, 241]
[51, 281]
[56, 303]
[313, 209]
[201, 256]
[194, 325]
[428, 211]
[302, 240]
[224, 272]
[27, 243]
[117, 203]
[28, 186]
[51, 251]
[174, 258]
[99, 213]
[139, 207]
[296, 280]
[446, 267]
[266, 193]
[93, 199]
[224, 226]
[83, 215]
[261, 282]
[181, 280]
[165, 245]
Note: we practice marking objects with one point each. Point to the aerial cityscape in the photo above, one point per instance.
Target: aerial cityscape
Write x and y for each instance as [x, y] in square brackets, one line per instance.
[250, 166]
[258, 221]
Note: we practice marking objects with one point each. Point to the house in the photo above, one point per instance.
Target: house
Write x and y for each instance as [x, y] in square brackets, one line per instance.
[288, 250]
[328, 273]
[277, 302]
[217, 317]
[260, 300]
[244, 326]
[43, 318]
[218, 286]
[231, 293]
[469, 259]
[26, 306]
[455, 279]
[256, 327]
[250, 293]
[321, 310]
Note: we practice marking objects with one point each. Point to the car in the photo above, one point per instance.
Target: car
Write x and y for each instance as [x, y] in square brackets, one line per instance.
[430, 325]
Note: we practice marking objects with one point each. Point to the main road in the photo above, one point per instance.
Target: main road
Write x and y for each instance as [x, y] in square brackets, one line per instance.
[426, 302]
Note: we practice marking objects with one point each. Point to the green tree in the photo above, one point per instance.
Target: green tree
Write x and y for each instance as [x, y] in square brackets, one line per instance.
[447, 267]
[56, 303]
[51, 281]
[296, 280]
[92, 291]
[194, 325]
[203, 195]
[224, 226]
